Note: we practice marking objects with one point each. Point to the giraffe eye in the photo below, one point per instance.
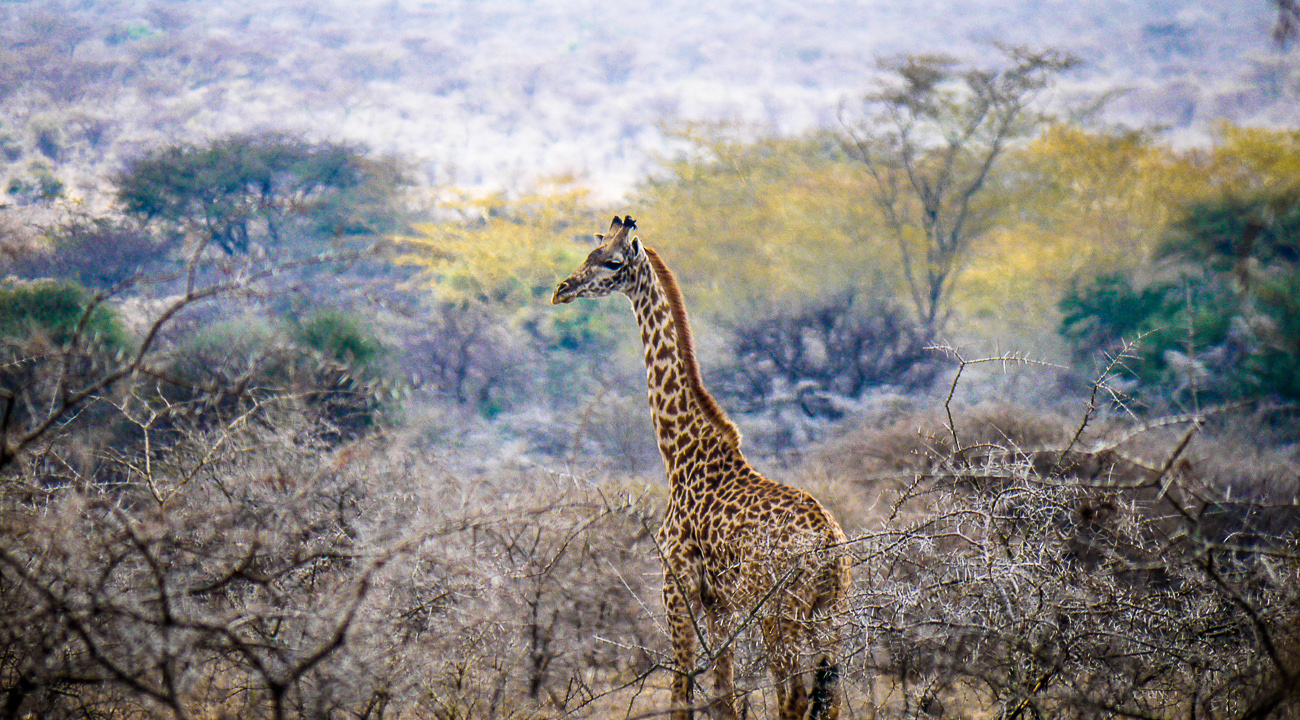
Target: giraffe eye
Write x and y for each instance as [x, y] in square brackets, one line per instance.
[613, 264]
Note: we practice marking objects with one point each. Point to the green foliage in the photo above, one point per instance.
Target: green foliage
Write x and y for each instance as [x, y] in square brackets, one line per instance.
[1105, 311]
[341, 338]
[244, 189]
[1180, 329]
[1275, 369]
[58, 311]
[329, 365]
[1264, 228]
[1222, 323]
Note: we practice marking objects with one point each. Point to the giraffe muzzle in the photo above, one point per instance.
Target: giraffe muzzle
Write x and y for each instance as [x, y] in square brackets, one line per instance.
[563, 292]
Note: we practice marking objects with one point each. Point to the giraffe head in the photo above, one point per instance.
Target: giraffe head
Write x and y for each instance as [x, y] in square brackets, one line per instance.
[606, 269]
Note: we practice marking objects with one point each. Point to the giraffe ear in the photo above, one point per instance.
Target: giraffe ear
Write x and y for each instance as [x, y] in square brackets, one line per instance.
[636, 246]
[600, 237]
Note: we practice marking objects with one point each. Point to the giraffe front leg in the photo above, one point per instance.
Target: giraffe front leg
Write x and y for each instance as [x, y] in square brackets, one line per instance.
[682, 628]
[724, 672]
[783, 661]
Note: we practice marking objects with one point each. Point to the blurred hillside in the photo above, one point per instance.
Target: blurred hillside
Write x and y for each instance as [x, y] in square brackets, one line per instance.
[495, 94]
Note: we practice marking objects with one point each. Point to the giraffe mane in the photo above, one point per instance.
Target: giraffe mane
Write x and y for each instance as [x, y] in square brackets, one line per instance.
[686, 350]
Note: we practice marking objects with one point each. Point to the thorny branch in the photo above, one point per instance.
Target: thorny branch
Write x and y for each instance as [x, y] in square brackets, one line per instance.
[1053, 594]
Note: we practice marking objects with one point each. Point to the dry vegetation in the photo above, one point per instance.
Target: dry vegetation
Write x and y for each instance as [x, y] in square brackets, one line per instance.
[232, 553]
[227, 545]
[1026, 565]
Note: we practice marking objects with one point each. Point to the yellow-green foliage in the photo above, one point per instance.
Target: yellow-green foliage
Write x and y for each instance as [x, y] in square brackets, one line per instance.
[768, 220]
[1076, 201]
[1086, 203]
[506, 252]
[746, 222]
[1247, 161]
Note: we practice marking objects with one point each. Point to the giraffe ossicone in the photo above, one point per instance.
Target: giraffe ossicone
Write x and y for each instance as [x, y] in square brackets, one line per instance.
[735, 545]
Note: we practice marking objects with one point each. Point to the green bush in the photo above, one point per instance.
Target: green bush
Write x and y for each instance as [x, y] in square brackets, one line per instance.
[1263, 228]
[59, 311]
[1275, 370]
[327, 368]
[55, 341]
[1220, 324]
[1182, 338]
[340, 338]
[1098, 314]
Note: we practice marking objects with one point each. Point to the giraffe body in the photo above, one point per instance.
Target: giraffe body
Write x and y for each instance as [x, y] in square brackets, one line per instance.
[738, 549]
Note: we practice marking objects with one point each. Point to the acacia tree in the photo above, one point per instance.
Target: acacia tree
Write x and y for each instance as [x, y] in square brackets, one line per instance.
[930, 138]
[243, 189]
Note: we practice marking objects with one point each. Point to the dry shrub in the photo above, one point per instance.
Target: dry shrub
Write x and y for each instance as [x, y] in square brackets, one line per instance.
[230, 553]
[247, 573]
[919, 441]
[1026, 565]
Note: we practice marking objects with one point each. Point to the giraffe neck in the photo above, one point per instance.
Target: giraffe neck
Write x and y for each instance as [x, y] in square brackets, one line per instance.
[688, 422]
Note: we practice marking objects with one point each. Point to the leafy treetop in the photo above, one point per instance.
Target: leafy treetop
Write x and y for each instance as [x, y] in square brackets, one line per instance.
[753, 222]
[242, 189]
[930, 138]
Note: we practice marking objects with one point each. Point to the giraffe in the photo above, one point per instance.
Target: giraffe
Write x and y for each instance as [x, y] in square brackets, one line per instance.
[737, 548]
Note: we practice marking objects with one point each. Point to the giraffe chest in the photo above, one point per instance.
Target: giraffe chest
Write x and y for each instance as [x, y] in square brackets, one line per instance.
[717, 516]
[720, 550]
[724, 509]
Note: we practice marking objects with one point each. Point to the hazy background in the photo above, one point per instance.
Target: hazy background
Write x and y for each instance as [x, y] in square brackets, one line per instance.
[493, 94]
